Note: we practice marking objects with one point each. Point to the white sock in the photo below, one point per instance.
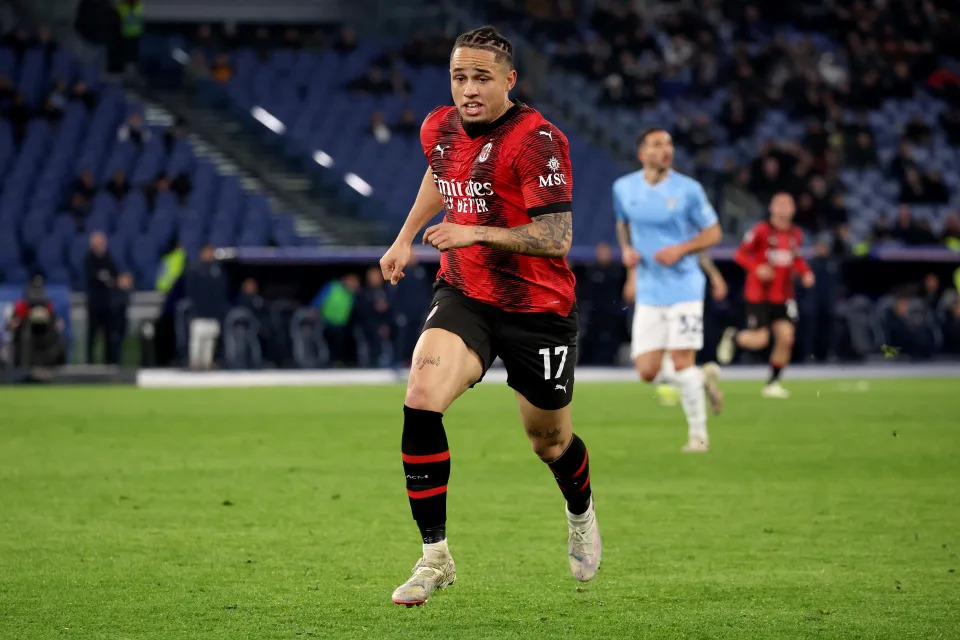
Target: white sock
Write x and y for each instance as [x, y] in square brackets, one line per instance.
[694, 403]
[437, 547]
[668, 374]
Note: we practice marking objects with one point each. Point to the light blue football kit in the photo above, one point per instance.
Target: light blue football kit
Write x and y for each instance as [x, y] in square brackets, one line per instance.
[669, 300]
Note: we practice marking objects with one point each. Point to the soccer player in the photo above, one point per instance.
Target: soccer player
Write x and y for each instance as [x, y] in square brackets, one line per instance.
[502, 175]
[663, 220]
[770, 254]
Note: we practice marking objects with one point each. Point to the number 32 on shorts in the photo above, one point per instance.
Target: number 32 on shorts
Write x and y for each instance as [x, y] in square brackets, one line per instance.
[558, 352]
[690, 324]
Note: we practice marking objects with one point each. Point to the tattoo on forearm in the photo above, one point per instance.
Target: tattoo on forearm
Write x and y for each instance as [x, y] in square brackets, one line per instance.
[549, 235]
[706, 263]
[536, 433]
[623, 233]
[421, 361]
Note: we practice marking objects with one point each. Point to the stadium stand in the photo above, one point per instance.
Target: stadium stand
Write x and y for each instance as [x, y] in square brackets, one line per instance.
[66, 136]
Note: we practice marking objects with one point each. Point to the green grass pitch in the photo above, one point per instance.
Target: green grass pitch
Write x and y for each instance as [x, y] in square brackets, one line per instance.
[281, 513]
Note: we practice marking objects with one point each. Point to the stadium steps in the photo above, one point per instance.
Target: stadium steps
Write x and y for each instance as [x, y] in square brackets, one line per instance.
[156, 115]
[235, 147]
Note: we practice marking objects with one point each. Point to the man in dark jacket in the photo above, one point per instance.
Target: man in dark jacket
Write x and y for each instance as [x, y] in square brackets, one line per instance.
[100, 277]
[207, 291]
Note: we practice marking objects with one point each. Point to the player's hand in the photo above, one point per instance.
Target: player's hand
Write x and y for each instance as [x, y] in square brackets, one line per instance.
[393, 262]
[630, 257]
[669, 256]
[447, 235]
[808, 279]
[764, 272]
[718, 288]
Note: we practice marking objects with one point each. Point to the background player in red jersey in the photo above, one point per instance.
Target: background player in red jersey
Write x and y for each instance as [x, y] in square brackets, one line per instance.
[501, 173]
[770, 254]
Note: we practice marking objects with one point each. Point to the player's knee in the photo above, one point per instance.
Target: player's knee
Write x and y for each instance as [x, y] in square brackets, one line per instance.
[548, 448]
[421, 396]
[648, 371]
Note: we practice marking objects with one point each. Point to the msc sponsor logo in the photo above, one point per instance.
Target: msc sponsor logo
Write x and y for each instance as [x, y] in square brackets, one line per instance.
[553, 179]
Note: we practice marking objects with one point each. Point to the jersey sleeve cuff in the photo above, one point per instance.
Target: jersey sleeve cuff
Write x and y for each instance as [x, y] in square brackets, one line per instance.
[553, 207]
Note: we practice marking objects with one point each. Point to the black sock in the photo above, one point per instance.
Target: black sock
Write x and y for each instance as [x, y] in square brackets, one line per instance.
[572, 471]
[774, 373]
[426, 463]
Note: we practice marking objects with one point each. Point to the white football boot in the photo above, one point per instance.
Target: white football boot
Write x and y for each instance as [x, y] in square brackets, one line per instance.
[432, 571]
[727, 348]
[696, 445]
[711, 385]
[584, 546]
[775, 390]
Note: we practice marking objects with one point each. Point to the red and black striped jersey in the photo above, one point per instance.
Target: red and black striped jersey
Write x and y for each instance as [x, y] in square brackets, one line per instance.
[764, 244]
[502, 174]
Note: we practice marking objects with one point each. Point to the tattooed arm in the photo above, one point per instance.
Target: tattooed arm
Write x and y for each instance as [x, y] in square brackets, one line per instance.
[549, 235]
[623, 235]
[718, 284]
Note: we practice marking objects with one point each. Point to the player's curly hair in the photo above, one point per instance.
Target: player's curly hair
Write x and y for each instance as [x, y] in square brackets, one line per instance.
[487, 38]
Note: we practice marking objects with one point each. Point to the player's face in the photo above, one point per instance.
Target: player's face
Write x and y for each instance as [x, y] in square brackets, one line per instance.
[657, 151]
[480, 84]
[782, 208]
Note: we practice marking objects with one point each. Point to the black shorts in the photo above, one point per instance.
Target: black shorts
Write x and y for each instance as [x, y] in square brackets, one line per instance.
[764, 314]
[539, 350]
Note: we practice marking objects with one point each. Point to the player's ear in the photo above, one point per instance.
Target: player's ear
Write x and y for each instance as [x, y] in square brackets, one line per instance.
[511, 79]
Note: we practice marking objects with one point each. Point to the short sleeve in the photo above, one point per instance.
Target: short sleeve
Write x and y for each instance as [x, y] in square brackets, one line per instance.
[702, 213]
[618, 206]
[428, 131]
[543, 165]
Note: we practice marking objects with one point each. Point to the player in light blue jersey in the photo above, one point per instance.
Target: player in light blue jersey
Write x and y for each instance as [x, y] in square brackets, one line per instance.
[664, 221]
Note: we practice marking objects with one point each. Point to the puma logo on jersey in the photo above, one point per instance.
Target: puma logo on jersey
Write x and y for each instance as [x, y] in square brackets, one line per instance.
[549, 134]
[562, 387]
[442, 150]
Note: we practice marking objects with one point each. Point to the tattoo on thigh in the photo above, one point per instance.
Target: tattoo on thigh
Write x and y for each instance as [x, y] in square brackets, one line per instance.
[422, 361]
[549, 435]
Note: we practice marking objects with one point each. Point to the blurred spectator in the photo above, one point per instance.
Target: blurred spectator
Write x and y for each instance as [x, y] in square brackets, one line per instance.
[206, 288]
[6, 90]
[950, 235]
[862, 153]
[937, 192]
[161, 184]
[118, 185]
[407, 126]
[83, 93]
[907, 231]
[905, 331]
[174, 134]
[950, 121]
[334, 304]
[374, 319]
[902, 161]
[134, 129]
[36, 329]
[912, 188]
[221, 69]
[931, 291]
[379, 128]
[100, 276]
[917, 132]
[131, 29]
[399, 84]
[117, 327]
[600, 289]
[372, 82]
[18, 113]
[951, 327]
[250, 299]
[346, 42]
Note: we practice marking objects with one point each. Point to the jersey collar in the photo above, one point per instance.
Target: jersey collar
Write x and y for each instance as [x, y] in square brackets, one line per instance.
[482, 129]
